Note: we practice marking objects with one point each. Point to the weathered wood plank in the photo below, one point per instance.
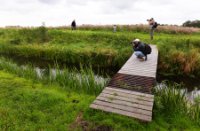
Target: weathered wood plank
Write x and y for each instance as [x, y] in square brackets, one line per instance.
[121, 94]
[134, 63]
[138, 69]
[135, 75]
[133, 100]
[124, 108]
[130, 92]
[138, 73]
[121, 112]
[146, 68]
[126, 103]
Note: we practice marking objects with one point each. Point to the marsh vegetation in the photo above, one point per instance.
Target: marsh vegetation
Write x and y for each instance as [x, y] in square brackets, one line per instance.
[60, 99]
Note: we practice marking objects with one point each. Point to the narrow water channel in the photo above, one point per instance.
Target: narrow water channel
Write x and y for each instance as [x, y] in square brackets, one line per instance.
[191, 94]
[192, 86]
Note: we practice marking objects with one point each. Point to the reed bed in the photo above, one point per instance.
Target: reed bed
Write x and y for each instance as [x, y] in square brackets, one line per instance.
[170, 29]
[172, 102]
[83, 80]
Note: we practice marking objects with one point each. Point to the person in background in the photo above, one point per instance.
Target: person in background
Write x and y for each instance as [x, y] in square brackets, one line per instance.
[73, 25]
[114, 28]
[139, 50]
[152, 27]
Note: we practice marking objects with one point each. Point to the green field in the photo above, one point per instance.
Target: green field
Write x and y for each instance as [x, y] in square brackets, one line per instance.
[61, 102]
[178, 53]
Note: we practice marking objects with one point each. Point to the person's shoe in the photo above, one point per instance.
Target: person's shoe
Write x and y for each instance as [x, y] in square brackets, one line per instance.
[141, 59]
[145, 58]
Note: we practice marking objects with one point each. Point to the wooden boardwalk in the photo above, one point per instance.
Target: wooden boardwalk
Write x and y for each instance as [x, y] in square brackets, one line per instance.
[129, 91]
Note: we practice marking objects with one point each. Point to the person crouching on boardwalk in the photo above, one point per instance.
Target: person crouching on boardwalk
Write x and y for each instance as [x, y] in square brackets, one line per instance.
[139, 49]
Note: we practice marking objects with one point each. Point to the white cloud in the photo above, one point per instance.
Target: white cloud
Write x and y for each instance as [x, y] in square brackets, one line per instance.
[62, 12]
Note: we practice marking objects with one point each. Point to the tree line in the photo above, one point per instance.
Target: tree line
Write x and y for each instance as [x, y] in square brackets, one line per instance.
[195, 23]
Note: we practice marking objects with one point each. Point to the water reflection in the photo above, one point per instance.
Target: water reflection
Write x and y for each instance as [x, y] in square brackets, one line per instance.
[54, 72]
[191, 95]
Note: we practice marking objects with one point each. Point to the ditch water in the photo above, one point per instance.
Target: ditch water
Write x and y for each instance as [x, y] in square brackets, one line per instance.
[42, 71]
[44, 64]
[103, 74]
[191, 94]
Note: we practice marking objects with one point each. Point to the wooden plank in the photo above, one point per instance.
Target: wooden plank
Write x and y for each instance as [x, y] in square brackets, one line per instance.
[133, 100]
[138, 73]
[122, 107]
[138, 69]
[140, 63]
[133, 73]
[121, 112]
[126, 103]
[151, 69]
[130, 92]
[117, 93]
[152, 57]
[136, 63]
[140, 88]
[149, 59]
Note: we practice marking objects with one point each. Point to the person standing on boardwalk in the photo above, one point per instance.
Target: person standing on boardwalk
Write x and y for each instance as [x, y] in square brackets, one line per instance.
[152, 26]
[139, 49]
[73, 25]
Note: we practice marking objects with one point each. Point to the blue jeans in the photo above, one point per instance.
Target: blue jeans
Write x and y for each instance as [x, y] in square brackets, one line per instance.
[139, 54]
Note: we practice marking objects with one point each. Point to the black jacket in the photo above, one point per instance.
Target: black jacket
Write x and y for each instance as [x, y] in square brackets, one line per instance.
[140, 47]
[73, 24]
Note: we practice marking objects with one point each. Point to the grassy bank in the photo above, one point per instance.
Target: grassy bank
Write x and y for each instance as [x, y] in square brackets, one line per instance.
[26, 105]
[28, 102]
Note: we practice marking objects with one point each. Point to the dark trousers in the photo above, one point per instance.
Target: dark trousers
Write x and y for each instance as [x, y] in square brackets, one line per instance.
[151, 33]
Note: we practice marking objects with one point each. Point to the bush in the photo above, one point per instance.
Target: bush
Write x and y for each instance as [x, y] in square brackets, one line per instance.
[195, 23]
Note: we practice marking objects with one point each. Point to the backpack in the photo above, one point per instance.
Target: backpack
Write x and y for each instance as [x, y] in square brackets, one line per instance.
[147, 49]
[155, 25]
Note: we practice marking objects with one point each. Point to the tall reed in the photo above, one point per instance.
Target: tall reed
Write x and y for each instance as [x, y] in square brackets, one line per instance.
[83, 80]
[172, 102]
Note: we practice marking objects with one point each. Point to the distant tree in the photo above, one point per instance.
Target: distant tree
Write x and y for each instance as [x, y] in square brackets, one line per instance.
[195, 23]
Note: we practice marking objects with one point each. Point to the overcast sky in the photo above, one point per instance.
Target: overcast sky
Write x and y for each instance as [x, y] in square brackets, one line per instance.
[62, 12]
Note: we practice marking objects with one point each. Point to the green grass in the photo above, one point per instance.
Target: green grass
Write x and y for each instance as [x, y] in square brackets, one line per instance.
[26, 105]
[82, 81]
[29, 102]
[29, 105]
[178, 53]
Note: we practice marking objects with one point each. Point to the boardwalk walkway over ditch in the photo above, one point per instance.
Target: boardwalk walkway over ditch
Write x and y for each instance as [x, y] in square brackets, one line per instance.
[129, 91]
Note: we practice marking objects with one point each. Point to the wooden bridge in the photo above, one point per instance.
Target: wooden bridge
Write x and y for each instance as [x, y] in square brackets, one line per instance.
[129, 91]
